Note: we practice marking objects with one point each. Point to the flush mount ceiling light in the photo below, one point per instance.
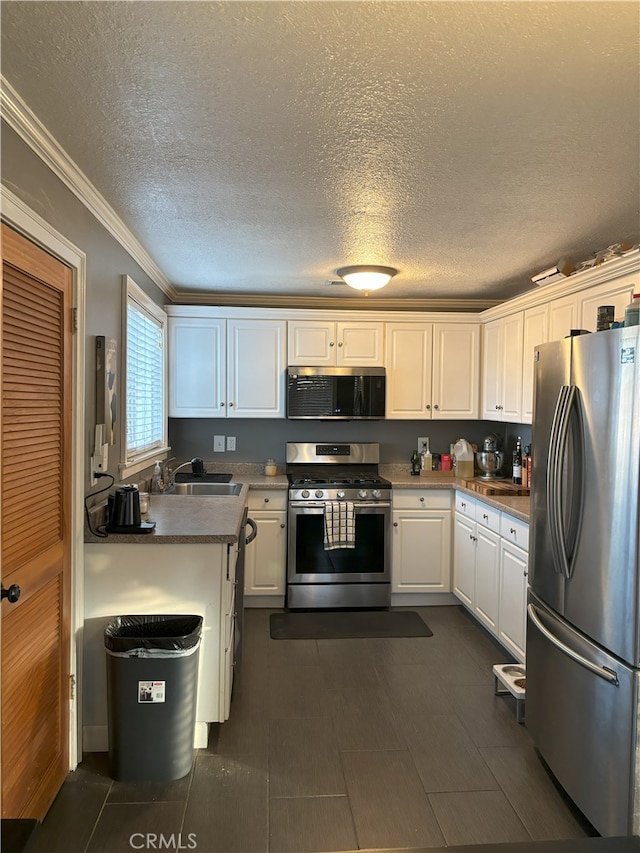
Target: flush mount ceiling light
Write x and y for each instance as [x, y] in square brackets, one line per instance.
[366, 278]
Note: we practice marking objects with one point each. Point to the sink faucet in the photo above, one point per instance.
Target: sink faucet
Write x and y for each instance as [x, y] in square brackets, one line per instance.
[197, 468]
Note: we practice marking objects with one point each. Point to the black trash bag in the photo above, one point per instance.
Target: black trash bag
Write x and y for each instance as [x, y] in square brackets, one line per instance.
[174, 633]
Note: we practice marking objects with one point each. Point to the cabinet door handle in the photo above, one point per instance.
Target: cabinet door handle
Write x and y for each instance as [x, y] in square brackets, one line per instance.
[485, 516]
[422, 499]
[331, 344]
[230, 404]
[282, 526]
[395, 523]
[266, 500]
[436, 406]
[512, 530]
[222, 405]
[340, 344]
[463, 505]
[428, 407]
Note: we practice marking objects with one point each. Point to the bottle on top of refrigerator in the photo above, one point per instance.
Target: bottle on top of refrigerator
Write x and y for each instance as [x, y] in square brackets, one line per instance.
[426, 457]
[632, 311]
[517, 463]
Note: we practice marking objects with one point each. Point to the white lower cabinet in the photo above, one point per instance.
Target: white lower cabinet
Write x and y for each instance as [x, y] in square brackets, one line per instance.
[266, 556]
[159, 579]
[513, 599]
[421, 544]
[490, 569]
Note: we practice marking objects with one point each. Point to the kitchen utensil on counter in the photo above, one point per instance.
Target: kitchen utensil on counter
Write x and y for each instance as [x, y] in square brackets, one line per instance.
[124, 512]
[490, 463]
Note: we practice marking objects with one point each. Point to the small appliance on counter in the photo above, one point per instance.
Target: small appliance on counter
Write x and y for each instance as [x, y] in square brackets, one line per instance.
[124, 512]
[490, 459]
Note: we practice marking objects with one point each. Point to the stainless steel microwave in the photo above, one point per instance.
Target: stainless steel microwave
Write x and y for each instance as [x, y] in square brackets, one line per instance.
[341, 393]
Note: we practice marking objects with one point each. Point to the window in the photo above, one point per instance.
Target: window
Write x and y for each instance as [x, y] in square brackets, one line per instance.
[146, 411]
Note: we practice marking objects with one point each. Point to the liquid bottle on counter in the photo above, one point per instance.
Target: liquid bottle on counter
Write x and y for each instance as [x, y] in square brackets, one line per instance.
[526, 469]
[157, 483]
[415, 463]
[517, 463]
[426, 457]
[632, 311]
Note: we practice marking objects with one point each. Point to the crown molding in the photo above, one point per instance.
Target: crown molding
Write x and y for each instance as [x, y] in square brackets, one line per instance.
[35, 135]
[626, 264]
[359, 303]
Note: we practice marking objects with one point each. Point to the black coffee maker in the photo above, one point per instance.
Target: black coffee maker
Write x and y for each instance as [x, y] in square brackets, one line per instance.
[123, 509]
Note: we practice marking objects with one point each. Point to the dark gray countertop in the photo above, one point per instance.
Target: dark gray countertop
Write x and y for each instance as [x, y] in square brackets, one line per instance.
[202, 520]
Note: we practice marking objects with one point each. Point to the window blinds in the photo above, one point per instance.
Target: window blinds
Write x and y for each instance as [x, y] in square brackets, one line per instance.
[145, 380]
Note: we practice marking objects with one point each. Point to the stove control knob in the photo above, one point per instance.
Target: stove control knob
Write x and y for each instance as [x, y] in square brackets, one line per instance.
[319, 493]
[340, 494]
[376, 494]
[362, 494]
[305, 493]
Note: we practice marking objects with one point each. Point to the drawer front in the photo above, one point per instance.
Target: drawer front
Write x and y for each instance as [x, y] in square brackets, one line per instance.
[421, 499]
[267, 499]
[465, 505]
[488, 516]
[514, 530]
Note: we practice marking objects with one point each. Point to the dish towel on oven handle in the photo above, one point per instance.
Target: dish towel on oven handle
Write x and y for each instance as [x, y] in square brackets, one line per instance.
[339, 525]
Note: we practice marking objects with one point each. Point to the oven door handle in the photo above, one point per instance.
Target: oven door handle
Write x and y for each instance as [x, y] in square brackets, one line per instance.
[356, 505]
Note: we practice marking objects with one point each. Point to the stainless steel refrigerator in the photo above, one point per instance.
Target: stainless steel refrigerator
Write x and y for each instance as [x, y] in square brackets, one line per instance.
[583, 613]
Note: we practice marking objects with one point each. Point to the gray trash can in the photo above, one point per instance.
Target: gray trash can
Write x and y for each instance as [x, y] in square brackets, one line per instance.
[152, 682]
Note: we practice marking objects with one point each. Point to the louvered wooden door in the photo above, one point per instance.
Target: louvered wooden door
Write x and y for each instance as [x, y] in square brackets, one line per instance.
[36, 501]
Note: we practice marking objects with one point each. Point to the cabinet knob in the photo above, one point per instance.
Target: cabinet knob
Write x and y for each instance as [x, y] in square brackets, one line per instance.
[422, 499]
[266, 500]
[485, 516]
[436, 406]
[428, 407]
[282, 526]
[525, 573]
[395, 523]
[331, 344]
[12, 594]
[230, 404]
[222, 405]
[340, 344]
[463, 504]
[512, 530]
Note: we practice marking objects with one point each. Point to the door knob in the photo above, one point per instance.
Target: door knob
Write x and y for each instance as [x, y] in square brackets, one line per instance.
[13, 593]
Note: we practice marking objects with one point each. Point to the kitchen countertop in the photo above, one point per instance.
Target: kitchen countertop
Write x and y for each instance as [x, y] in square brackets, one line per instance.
[518, 506]
[205, 519]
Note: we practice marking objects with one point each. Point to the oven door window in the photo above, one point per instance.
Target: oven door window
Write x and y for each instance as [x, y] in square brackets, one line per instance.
[368, 558]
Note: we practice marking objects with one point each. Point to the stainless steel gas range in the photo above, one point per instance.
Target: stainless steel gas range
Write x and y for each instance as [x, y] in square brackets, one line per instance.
[339, 523]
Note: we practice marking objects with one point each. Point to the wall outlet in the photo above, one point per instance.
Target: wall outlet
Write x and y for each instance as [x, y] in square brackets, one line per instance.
[231, 442]
[422, 440]
[218, 444]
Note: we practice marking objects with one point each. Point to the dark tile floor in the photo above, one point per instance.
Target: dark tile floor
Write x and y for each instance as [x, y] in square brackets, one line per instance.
[337, 745]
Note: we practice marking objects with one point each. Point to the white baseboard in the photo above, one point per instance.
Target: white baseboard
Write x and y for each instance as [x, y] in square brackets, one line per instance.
[422, 599]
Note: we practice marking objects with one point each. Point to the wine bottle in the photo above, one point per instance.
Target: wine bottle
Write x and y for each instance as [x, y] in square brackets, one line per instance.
[517, 463]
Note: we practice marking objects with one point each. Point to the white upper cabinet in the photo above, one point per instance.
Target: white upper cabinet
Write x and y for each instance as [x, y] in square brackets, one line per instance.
[502, 373]
[318, 343]
[563, 316]
[535, 331]
[256, 352]
[197, 367]
[432, 370]
[226, 368]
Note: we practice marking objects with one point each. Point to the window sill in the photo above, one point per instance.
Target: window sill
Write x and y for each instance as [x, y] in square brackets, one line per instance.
[128, 469]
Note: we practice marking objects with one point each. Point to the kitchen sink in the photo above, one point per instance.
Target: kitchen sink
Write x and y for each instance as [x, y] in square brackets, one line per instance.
[224, 490]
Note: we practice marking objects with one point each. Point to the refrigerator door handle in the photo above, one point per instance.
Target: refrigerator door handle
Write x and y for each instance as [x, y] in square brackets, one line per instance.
[554, 505]
[601, 671]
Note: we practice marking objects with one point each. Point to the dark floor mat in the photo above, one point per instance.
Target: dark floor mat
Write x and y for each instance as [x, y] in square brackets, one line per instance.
[345, 624]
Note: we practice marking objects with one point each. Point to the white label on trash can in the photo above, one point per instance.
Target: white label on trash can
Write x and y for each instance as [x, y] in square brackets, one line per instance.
[151, 691]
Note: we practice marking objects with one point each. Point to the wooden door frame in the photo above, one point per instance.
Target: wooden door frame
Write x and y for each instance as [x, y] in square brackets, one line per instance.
[20, 217]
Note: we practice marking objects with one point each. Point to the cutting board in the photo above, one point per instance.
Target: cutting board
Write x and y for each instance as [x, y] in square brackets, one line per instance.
[495, 487]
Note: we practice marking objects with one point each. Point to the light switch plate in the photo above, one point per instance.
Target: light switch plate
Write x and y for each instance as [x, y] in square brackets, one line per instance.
[422, 440]
[218, 444]
[231, 442]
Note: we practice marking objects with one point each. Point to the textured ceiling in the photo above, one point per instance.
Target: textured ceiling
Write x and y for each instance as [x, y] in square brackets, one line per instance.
[253, 148]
